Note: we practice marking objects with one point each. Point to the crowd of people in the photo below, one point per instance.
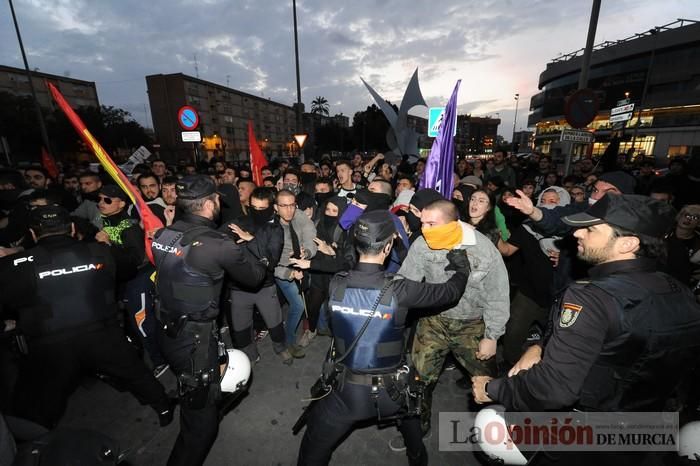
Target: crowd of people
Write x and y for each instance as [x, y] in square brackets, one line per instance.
[286, 240]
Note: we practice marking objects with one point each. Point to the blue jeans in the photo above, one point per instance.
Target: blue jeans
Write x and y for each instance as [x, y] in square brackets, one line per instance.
[291, 293]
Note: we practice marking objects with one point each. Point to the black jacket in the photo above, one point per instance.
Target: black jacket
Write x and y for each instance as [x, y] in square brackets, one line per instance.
[267, 244]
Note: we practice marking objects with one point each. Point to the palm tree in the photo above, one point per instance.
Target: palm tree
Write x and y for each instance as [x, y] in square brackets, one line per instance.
[320, 105]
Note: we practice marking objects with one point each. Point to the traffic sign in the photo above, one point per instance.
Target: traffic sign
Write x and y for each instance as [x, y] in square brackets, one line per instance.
[621, 117]
[581, 107]
[628, 108]
[572, 135]
[435, 117]
[188, 118]
[300, 139]
[191, 136]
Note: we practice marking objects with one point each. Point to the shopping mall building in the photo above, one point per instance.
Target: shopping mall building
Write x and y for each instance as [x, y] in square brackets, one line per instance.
[658, 71]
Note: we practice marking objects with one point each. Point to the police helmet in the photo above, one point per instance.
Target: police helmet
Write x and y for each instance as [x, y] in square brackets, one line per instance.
[689, 441]
[502, 453]
[236, 372]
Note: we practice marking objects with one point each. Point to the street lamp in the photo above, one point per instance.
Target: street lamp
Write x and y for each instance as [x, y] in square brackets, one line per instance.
[515, 118]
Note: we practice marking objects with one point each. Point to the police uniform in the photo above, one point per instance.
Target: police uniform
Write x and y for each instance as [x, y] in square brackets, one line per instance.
[63, 294]
[623, 340]
[191, 259]
[367, 387]
[620, 341]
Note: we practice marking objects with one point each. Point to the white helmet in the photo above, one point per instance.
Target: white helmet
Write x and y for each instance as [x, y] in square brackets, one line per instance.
[236, 372]
[505, 452]
[689, 441]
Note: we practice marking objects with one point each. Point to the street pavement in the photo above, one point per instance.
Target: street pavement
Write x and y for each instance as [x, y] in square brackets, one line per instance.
[258, 431]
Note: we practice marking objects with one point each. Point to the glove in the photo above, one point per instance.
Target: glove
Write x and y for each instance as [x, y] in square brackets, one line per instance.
[458, 261]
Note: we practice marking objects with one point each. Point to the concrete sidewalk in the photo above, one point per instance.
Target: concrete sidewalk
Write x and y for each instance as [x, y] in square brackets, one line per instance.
[258, 431]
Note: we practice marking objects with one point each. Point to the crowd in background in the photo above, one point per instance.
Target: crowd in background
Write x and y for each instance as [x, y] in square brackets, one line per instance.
[304, 213]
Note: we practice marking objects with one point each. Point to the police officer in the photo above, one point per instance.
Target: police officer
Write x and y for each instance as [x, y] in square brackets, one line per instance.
[191, 259]
[62, 293]
[622, 340]
[368, 312]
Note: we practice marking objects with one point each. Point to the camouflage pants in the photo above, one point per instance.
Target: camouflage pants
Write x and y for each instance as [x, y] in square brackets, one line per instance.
[437, 336]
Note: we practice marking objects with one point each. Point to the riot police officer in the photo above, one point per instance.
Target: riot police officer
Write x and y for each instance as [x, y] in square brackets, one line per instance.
[191, 259]
[623, 340]
[62, 293]
[368, 311]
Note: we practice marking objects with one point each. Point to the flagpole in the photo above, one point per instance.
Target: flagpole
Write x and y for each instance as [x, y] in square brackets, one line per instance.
[37, 107]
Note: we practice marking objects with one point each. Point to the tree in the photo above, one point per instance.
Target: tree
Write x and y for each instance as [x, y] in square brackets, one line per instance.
[320, 105]
[369, 129]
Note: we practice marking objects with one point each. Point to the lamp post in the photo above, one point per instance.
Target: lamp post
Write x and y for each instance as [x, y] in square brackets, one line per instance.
[515, 118]
[37, 107]
[296, 55]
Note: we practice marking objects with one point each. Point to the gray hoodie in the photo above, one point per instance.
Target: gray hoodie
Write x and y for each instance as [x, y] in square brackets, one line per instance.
[487, 292]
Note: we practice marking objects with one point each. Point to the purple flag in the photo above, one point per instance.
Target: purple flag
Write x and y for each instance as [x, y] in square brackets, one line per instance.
[439, 169]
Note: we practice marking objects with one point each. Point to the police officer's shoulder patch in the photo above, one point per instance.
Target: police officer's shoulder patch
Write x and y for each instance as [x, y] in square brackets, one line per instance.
[569, 314]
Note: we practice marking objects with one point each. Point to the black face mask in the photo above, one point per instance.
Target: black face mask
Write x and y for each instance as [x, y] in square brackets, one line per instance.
[93, 196]
[261, 217]
[323, 197]
[308, 178]
[414, 222]
[461, 208]
[329, 223]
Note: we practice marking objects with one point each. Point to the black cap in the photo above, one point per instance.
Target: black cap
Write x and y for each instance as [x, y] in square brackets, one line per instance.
[374, 227]
[639, 214]
[195, 187]
[112, 190]
[49, 216]
[621, 180]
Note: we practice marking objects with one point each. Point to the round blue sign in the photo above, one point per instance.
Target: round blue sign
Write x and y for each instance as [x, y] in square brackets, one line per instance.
[188, 118]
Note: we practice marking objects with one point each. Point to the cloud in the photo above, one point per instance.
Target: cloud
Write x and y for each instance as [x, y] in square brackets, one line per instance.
[496, 47]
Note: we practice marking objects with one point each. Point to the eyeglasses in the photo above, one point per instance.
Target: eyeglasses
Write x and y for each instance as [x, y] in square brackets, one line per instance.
[106, 200]
[479, 200]
[692, 216]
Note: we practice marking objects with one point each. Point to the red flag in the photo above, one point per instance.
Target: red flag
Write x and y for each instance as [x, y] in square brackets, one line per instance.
[151, 223]
[257, 158]
[49, 163]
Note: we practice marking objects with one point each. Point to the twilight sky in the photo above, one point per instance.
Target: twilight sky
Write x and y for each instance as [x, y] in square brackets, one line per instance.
[497, 47]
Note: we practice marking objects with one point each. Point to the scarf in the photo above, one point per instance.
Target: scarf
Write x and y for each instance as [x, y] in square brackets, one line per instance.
[443, 236]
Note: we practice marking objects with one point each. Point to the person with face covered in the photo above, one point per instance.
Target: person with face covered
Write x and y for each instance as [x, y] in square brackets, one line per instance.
[292, 181]
[335, 254]
[469, 329]
[377, 197]
[422, 198]
[260, 224]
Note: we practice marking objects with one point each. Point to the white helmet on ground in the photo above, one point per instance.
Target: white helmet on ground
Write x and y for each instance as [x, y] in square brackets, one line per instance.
[506, 452]
[236, 372]
[689, 441]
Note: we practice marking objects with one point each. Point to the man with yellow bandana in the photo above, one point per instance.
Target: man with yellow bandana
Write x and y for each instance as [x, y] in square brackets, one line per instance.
[470, 329]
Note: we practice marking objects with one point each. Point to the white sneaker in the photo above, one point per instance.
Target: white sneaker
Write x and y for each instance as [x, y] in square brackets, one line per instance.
[306, 338]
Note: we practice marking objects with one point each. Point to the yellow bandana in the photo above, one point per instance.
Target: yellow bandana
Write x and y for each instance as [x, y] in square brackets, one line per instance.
[444, 236]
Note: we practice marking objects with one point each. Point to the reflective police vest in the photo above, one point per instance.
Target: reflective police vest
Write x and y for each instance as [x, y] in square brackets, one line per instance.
[381, 346]
[659, 339]
[181, 289]
[73, 290]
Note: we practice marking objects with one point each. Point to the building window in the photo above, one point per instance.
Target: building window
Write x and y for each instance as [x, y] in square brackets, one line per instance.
[677, 151]
[228, 119]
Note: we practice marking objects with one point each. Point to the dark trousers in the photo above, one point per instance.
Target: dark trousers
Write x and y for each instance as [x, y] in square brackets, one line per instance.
[523, 313]
[334, 416]
[192, 351]
[51, 371]
[138, 293]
